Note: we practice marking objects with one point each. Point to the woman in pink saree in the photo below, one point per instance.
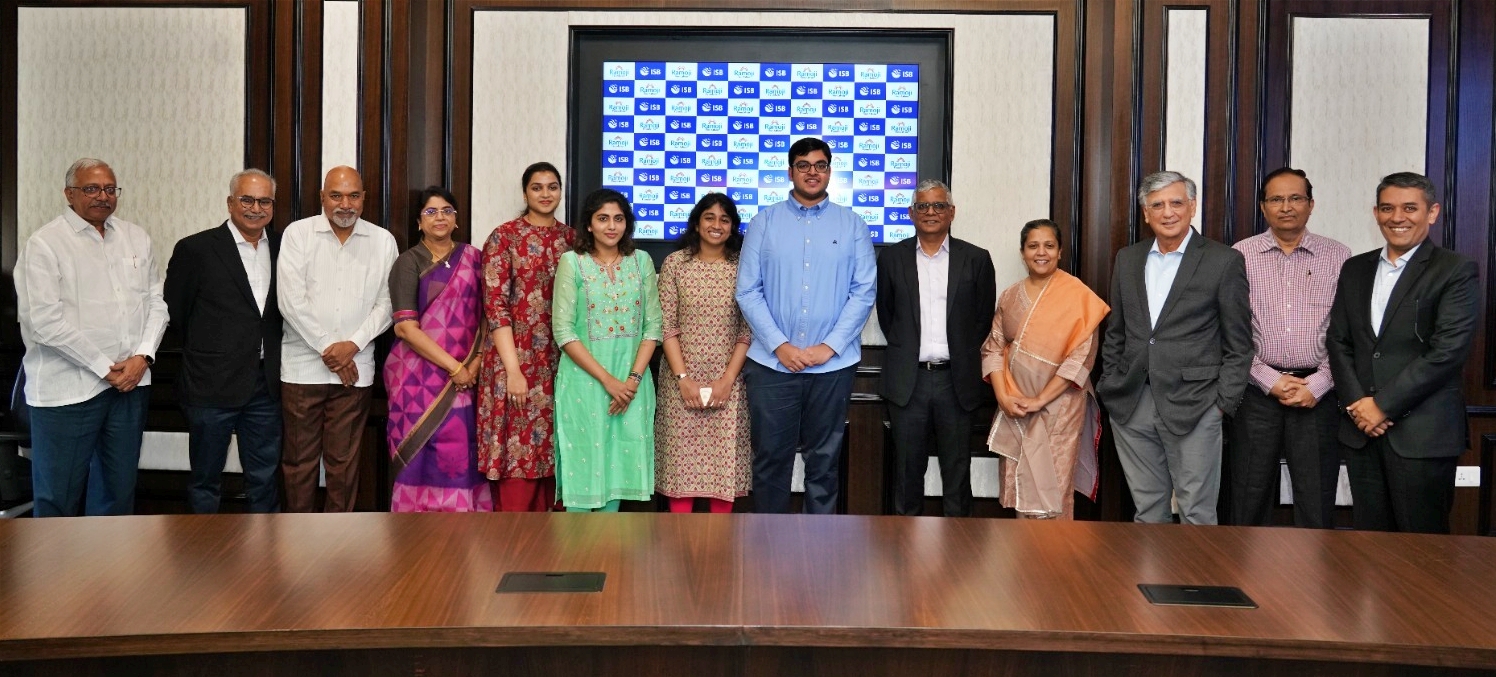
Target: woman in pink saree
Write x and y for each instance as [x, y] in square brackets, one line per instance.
[1038, 359]
[436, 292]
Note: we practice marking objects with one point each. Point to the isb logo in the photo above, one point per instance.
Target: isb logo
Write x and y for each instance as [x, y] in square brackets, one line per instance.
[773, 143]
[834, 109]
[841, 180]
[618, 70]
[682, 89]
[743, 160]
[649, 106]
[744, 196]
[868, 198]
[712, 71]
[618, 159]
[868, 163]
[870, 91]
[896, 217]
[811, 126]
[870, 127]
[775, 71]
[648, 212]
[682, 125]
[681, 195]
[904, 73]
[649, 141]
[649, 177]
[618, 88]
[770, 179]
[902, 144]
[838, 71]
[807, 90]
[839, 144]
[743, 125]
[710, 107]
[711, 178]
[710, 142]
[898, 180]
[650, 69]
[618, 123]
[774, 108]
[744, 90]
[908, 109]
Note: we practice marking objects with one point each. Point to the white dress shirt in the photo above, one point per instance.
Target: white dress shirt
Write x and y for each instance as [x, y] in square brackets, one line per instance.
[934, 279]
[85, 302]
[1388, 273]
[332, 291]
[1158, 275]
[256, 262]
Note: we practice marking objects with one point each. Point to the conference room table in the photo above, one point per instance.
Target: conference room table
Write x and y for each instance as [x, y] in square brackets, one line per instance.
[730, 594]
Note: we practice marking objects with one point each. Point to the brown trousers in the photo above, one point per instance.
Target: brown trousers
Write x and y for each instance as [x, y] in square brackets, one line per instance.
[322, 423]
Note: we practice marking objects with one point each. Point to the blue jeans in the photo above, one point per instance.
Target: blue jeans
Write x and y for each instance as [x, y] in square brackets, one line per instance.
[96, 441]
[258, 427]
[801, 411]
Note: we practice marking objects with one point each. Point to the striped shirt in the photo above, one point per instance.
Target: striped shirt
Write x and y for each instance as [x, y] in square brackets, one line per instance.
[1291, 296]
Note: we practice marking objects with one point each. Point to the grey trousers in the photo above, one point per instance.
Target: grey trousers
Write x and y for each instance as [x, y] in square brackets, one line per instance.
[1159, 464]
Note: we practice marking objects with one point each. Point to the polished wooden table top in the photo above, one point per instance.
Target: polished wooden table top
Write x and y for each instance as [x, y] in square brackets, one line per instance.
[190, 584]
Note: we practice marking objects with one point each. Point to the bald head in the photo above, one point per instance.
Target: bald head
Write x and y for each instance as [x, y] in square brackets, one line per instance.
[343, 197]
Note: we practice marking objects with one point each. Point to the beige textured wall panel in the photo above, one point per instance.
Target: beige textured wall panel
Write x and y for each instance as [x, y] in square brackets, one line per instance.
[1360, 112]
[1184, 120]
[156, 92]
[340, 84]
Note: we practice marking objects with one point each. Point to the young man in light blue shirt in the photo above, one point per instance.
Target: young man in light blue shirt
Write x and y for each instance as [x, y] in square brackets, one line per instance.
[806, 283]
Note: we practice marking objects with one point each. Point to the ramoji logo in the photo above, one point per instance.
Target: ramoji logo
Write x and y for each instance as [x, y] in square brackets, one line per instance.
[645, 212]
[901, 126]
[643, 176]
[901, 145]
[836, 126]
[899, 162]
[743, 108]
[835, 72]
[743, 71]
[618, 70]
[648, 142]
[617, 141]
[619, 106]
[677, 213]
[774, 90]
[649, 89]
[870, 215]
[682, 89]
[774, 107]
[711, 126]
[616, 177]
[680, 179]
[869, 73]
[775, 72]
[776, 162]
[649, 159]
[869, 108]
[868, 145]
[838, 92]
[681, 107]
[902, 92]
[769, 197]
[841, 163]
[773, 127]
[643, 106]
[742, 143]
[649, 124]
[711, 90]
[899, 199]
[742, 89]
[742, 178]
[647, 194]
[806, 108]
[650, 71]
[713, 71]
[619, 88]
[711, 107]
[867, 181]
[680, 70]
[808, 73]
[712, 160]
[680, 142]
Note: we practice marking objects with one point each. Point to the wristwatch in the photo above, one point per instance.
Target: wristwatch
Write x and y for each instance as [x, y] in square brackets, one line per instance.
[149, 361]
[680, 377]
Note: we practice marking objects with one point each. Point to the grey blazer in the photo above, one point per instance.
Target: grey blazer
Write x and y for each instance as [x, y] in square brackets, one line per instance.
[1200, 352]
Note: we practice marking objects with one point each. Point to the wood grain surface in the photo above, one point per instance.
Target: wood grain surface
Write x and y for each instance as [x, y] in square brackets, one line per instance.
[182, 584]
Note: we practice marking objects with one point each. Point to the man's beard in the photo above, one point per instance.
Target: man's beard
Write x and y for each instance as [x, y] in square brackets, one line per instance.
[344, 219]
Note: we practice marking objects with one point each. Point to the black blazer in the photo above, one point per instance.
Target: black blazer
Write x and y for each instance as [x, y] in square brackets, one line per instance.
[970, 297]
[1200, 352]
[214, 311]
[1412, 369]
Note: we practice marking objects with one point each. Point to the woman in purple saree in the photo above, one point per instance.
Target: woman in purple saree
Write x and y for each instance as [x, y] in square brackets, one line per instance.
[436, 291]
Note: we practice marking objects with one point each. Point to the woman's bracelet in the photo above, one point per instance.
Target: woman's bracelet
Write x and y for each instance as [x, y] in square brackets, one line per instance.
[453, 373]
[636, 377]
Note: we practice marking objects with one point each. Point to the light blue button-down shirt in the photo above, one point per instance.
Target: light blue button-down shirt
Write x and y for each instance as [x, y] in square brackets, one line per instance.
[807, 275]
[1388, 273]
[1158, 275]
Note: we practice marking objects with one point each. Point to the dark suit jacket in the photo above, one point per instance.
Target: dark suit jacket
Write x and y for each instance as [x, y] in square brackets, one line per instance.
[971, 295]
[1412, 369]
[214, 311]
[1200, 352]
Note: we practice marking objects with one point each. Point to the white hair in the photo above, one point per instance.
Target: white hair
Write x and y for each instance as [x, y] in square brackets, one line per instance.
[1158, 181]
[84, 163]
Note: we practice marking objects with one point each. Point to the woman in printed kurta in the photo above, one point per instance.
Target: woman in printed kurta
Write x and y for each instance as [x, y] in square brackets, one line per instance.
[1038, 359]
[607, 322]
[436, 294]
[517, 386]
[701, 432]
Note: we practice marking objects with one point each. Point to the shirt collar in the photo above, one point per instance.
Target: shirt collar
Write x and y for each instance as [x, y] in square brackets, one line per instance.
[78, 224]
[1309, 242]
[818, 206]
[1183, 244]
[238, 236]
[1401, 260]
[945, 248]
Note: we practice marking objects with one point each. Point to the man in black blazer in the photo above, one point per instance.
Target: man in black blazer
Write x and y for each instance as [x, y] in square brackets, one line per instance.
[220, 289]
[1175, 357]
[935, 302]
[1400, 330]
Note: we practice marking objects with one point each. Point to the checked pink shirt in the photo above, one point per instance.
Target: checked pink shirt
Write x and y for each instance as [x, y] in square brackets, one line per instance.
[1291, 296]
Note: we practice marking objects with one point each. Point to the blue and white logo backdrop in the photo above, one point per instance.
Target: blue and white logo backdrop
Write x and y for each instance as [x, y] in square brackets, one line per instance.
[674, 131]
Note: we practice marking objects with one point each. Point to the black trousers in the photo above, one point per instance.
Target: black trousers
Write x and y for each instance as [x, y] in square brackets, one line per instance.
[933, 406]
[1394, 493]
[1263, 431]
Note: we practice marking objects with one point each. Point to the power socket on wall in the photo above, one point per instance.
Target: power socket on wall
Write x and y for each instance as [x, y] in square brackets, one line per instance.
[1467, 476]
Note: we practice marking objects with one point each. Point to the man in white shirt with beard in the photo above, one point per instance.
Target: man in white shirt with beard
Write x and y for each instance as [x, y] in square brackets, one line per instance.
[333, 288]
[91, 312]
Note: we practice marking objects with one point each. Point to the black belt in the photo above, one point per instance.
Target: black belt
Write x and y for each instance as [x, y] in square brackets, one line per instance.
[935, 366]
[1296, 373]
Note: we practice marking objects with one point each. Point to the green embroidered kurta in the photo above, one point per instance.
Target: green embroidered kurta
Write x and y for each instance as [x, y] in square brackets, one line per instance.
[602, 457]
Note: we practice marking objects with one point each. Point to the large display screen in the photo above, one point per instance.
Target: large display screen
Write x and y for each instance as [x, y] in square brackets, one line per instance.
[675, 131]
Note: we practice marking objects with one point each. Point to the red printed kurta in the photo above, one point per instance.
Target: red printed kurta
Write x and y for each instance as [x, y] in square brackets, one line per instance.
[519, 270]
[701, 452]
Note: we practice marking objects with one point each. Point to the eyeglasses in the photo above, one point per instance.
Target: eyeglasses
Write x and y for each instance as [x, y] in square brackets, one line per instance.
[263, 202]
[931, 207]
[1292, 200]
[1159, 206]
[433, 211]
[804, 167]
[92, 190]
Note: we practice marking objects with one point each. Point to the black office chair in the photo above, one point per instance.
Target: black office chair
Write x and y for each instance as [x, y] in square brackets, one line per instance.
[15, 433]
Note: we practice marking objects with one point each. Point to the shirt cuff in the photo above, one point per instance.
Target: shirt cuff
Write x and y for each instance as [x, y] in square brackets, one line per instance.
[1320, 383]
[1265, 377]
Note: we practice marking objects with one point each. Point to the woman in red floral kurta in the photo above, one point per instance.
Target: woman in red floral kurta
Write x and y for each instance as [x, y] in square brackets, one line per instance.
[517, 387]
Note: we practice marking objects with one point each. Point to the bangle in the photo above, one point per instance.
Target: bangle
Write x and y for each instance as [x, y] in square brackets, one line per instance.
[636, 377]
[453, 373]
